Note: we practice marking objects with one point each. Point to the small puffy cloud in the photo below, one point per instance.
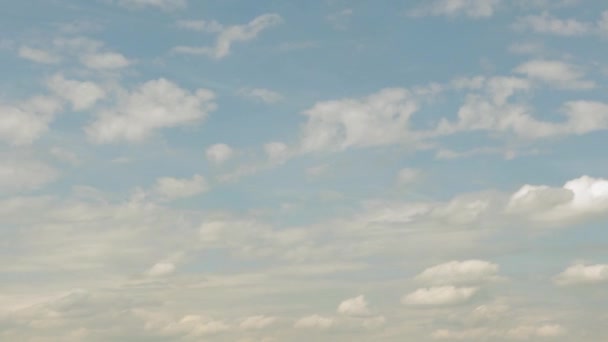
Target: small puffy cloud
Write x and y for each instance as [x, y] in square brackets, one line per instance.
[93, 54]
[555, 73]
[379, 119]
[210, 232]
[152, 106]
[579, 198]
[82, 95]
[356, 306]
[439, 296]
[161, 4]
[200, 25]
[528, 332]
[276, 151]
[548, 24]
[583, 274]
[314, 322]
[374, 322]
[491, 110]
[453, 8]
[170, 188]
[192, 325]
[228, 35]
[105, 61]
[460, 272]
[219, 153]
[261, 94]
[161, 269]
[257, 322]
[458, 335]
[24, 175]
[25, 122]
[340, 19]
[407, 176]
[38, 55]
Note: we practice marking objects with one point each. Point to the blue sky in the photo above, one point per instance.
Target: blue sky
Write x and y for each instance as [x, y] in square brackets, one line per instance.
[328, 170]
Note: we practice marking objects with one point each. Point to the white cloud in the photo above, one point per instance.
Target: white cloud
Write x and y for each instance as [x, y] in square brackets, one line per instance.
[341, 18]
[548, 24]
[356, 306]
[161, 4]
[374, 322]
[579, 198]
[200, 25]
[583, 274]
[219, 153]
[555, 73]
[276, 151]
[261, 94]
[460, 272]
[257, 322]
[527, 332]
[173, 188]
[231, 34]
[161, 269]
[24, 175]
[27, 121]
[91, 53]
[152, 106]
[379, 119]
[190, 325]
[523, 332]
[439, 296]
[105, 60]
[408, 176]
[38, 55]
[467, 335]
[452, 8]
[314, 322]
[491, 111]
[82, 95]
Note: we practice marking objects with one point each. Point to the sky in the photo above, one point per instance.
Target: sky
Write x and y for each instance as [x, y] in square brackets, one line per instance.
[323, 170]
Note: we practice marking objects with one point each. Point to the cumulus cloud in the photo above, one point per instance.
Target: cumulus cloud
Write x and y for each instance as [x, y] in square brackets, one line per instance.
[453, 8]
[38, 55]
[314, 322]
[261, 94]
[379, 119]
[105, 60]
[555, 73]
[25, 175]
[527, 332]
[583, 274]
[229, 35]
[91, 53]
[439, 296]
[491, 111]
[170, 188]
[209, 26]
[257, 322]
[579, 198]
[25, 122]
[219, 153]
[407, 176]
[460, 272]
[161, 4]
[161, 269]
[189, 325]
[81, 94]
[356, 306]
[548, 24]
[276, 151]
[152, 106]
